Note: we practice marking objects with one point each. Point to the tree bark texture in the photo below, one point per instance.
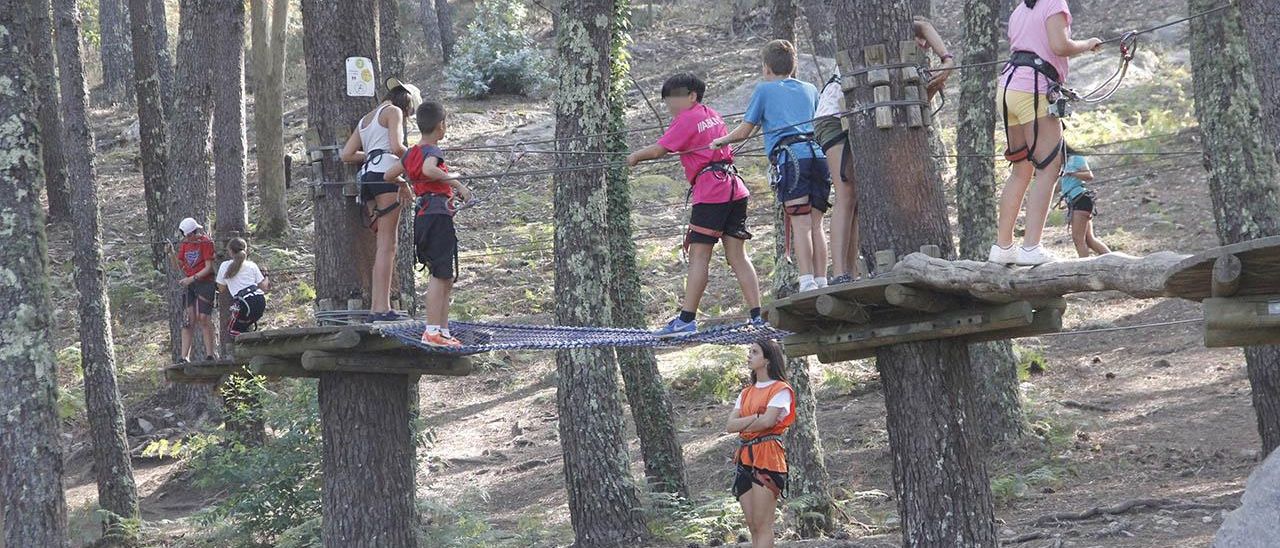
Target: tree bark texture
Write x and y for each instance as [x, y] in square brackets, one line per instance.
[448, 35]
[821, 34]
[604, 506]
[158, 18]
[1262, 30]
[46, 66]
[1243, 174]
[117, 72]
[34, 512]
[227, 84]
[429, 20]
[646, 393]
[153, 133]
[997, 401]
[391, 50]
[267, 59]
[939, 476]
[368, 467]
[113, 470]
[782, 20]
[1138, 277]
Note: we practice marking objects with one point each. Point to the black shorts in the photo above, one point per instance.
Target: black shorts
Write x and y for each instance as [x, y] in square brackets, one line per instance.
[436, 243]
[245, 313]
[1083, 202]
[796, 178]
[200, 294]
[374, 184]
[746, 477]
[727, 218]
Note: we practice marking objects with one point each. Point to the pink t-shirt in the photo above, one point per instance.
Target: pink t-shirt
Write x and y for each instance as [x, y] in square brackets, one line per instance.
[693, 130]
[1027, 33]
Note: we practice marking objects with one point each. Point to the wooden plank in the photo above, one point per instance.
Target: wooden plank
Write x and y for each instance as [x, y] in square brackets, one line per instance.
[885, 259]
[295, 345]
[868, 291]
[274, 334]
[909, 52]
[922, 300]
[876, 56]
[1259, 275]
[1226, 276]
[914, 116]
[1221, 338]
[176, 374]
[214, 369]
[931, 250]
[1244, 313]
[941, 326]
[1043, 320]
[787, 320]
[402, 363]
[847, 66]
[839, 309]
[884, 114]
[270, 366]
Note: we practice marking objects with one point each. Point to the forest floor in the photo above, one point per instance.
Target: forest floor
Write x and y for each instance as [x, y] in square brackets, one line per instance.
[1116, 415]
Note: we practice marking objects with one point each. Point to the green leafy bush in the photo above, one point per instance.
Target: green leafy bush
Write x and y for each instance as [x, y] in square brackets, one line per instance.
[497, 56]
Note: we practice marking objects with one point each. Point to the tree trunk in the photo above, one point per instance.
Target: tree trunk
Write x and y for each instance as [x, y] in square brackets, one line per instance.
[939, 476]
[267, 59]
[391, 50]
[148, 63]
[117, 72]
[432, 36]
[34, 512]
[1242, 168]
[227, 84]
[603, 502]
[157, 17]
[368, 447]
[997, 404]
[55, 165]
[821, 34]
[116, 491]
[448, 36]
[646, 393]
[782, 20]
[1262, 30]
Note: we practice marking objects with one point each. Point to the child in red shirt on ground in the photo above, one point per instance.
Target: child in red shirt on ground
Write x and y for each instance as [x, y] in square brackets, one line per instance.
[719, 197]
[434, 236]
[195, 257]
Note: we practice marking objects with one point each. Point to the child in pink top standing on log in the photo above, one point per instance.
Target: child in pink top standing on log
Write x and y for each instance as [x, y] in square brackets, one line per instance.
[718, 194]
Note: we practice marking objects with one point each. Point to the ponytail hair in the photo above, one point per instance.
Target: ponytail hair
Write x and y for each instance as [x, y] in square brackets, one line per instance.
[1030, 3]
[239, 252]
[777, 361]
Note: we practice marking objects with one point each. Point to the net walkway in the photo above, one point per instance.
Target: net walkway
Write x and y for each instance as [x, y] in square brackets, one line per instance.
[480, 337]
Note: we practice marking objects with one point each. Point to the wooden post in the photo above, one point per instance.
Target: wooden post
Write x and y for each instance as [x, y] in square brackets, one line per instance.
[922, 300]
[885, 259]
[909, 53]
[1226, 276]
[878, 79]
[931, 250]
[840, 309]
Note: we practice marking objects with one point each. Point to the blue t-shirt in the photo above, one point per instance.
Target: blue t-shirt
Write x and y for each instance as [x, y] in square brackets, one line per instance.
[781, 108]
[1072, 186]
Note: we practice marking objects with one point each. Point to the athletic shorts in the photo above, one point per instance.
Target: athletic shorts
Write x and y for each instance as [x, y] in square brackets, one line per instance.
[727, 218]
[1082, 203]
[829, 132]
[375, 184]
[246, 312]
[1022, 106]
[435, 242]
[796, 178]
[200, 293]
[746, 477]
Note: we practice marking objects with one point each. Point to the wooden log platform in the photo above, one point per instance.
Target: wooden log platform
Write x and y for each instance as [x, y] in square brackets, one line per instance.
[307, 351]
[205, 372]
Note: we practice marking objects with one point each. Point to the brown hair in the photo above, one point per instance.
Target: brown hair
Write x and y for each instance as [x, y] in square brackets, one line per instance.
[780, 57]
[239, 252]
[777, 365]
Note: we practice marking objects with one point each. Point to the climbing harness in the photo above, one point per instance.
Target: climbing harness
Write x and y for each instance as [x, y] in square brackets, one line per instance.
[1041, 68]
[756, 474]
[782, 153]
[725, 172]
[242, 318]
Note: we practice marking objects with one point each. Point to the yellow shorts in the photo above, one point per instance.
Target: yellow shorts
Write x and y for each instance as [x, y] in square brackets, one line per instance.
[1022, 106]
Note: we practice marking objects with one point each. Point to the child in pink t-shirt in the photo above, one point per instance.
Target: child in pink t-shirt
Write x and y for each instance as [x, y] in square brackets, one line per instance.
[1039, 35]
[719, 197]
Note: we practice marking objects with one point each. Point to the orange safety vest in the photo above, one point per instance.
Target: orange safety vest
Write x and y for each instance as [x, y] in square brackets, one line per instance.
[768, 455]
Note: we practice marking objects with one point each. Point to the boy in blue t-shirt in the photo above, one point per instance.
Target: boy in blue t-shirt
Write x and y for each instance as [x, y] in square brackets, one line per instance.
[1080, 203]
[783, 108]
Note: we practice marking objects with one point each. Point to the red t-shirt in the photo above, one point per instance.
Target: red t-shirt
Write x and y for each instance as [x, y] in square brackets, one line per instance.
[193, 254]
[413, 161]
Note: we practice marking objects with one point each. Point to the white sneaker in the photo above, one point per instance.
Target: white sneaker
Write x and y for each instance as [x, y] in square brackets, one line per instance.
[1034, 256]
[1000, 255]
[822, 282]
[808, 286]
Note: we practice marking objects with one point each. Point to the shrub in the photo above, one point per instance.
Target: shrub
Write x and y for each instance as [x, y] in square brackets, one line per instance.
[496, 56]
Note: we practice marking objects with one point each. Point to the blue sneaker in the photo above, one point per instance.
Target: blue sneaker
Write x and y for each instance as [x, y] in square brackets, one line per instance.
[757, 322]
[841, 279]
[676, 328]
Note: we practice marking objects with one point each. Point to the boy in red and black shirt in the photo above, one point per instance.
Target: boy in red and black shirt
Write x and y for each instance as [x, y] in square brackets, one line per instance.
[434, 236]
[194, 257]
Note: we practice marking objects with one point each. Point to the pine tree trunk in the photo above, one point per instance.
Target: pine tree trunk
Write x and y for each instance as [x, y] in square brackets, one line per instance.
[34, 512]
[391, 50]
[939, 476]
[368, 492]
[782, 20]
[997, 402]
[646, 393]
[112, 468]
[55, 165]
[429, 20]
[148, 62]
[158, 19]
[267, 59]
[117, 72]
[227, 84]
[821, 34]
[1262, 30]
[1243, 174]
[448, 36]
[603, 502]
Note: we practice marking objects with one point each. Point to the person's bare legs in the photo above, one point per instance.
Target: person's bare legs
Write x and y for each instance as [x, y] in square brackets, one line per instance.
[205, 323]
[819, 244]
[695, 282]
[735, 253]
[438, 301]
[1041, 195]
[188, 324]
[841, 214]
[760, 521]
[1015, 188]
[1079, 232]
[384, 257]
[1094, 243]
[802, 239]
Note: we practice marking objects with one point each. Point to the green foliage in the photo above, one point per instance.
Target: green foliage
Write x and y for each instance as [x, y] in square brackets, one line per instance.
[1008, 488]
[678, 520]
[1030, 362]
[304, 293]
[70, 402]
[496, 55]
[838, 380]
[716, 373]
[453, 526]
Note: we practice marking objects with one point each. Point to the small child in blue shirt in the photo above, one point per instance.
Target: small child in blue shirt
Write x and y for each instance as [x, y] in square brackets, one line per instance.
[783, 107]
[1080, 203]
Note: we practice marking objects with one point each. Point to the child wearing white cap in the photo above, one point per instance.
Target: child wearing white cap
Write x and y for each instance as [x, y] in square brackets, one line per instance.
[194, 258]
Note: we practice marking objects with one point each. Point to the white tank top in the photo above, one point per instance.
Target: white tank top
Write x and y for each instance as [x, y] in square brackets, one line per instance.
[375, 136]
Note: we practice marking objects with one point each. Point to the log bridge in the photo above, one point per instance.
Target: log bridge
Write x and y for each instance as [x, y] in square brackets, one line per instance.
[924, 297]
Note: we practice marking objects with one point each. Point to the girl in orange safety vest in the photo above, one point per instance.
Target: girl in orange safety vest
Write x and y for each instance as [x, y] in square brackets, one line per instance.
[763, 412]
